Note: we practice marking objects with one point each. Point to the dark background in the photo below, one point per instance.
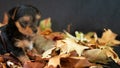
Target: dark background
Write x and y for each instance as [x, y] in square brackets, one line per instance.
[83, 15]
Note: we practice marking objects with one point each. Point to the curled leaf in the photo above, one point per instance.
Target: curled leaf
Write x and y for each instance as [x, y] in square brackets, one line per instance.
[45, 24]
[96, 55]
[67, 45]
[109, 38]
[112, 54]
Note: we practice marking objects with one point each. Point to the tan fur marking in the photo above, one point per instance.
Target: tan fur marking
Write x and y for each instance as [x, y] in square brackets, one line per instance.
[26, 18]
[26, 31]
[22, 43]
[38, 16]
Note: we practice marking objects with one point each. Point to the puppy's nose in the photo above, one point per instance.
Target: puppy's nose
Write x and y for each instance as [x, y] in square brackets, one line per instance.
[35, 30]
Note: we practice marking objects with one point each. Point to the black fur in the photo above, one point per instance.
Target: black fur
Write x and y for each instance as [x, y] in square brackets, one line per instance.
[10, 32]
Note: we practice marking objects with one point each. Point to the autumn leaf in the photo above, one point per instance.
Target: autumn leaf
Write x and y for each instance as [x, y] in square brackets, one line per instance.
[55, 36]
[83, 63]
[64, 61]
[91, 37]
[108, 38]
[80, 36]
[67, 45]
[45, 24]
[68, 35]
[96, 55]
[1, 59]
[47, 53]
[101, 55]
[112, 54]
[54, 61]
[33, 65]
[3, 65]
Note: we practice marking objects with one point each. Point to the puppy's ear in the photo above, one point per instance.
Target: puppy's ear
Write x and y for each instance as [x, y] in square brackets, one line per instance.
[12, 13]
[26, 31]
[5, 20]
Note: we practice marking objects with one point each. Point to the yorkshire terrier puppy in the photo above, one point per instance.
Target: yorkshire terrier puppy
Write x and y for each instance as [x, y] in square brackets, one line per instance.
[17, 36]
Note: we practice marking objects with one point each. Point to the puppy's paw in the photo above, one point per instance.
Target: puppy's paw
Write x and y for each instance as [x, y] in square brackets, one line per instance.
[24, 58]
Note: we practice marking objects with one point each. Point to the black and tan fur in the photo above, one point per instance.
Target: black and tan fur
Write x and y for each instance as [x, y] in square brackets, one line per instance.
[22, 26]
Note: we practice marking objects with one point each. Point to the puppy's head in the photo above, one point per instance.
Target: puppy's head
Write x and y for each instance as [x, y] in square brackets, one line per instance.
[23, 22]
[25, 18]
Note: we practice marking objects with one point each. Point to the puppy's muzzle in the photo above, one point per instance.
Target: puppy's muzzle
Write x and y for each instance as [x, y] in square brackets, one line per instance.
[28, 30]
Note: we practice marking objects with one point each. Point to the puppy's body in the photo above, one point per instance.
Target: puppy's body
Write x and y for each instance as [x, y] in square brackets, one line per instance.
[17, 35]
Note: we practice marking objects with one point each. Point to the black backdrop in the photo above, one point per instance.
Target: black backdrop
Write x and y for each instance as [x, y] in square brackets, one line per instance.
[84, 15]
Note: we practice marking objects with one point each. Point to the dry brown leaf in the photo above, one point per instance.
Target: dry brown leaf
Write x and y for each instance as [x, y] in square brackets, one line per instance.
[47, 31]
[74, 62]
[82, 63]
[1, 59]
[91, 37]
[109, 38]
[96, 55]
[101, 55]
[64, 61]
[54, 61]
[3, 65]
[34, 65]
[112, 54]
[55, 36]
[97, 66]
[68, 45]
[47, 54]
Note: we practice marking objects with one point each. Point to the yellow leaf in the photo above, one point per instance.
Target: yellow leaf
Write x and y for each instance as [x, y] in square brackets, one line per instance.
[45, 24]
[91, 36]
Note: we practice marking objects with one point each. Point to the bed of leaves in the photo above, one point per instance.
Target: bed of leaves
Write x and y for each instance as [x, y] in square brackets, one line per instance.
[63, 50]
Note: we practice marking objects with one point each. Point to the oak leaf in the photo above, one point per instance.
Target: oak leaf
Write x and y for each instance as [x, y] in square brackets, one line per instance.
[108, 38]
[67, 45]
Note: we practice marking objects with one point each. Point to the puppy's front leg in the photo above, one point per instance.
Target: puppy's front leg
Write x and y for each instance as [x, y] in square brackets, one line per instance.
[23, 58]
[25, 46]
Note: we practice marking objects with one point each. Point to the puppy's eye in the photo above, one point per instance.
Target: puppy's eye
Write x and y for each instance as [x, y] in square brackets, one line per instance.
[24, 24]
